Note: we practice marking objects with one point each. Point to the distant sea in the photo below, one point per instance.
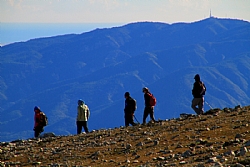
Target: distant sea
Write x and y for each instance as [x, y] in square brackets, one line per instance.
[20, 32]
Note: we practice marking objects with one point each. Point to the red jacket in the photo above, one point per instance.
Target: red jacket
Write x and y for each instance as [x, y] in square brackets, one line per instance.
[37, 118]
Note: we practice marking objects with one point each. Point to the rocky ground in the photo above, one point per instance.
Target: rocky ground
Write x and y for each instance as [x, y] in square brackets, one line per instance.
[217, 138]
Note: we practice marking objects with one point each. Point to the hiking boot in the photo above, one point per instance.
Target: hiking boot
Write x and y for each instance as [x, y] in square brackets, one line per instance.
[135, 124]
[152, 121]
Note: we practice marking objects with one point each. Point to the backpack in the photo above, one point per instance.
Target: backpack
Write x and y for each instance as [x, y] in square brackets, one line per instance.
[152, 100]
[134, 104]
[43, 119]
[203, 88]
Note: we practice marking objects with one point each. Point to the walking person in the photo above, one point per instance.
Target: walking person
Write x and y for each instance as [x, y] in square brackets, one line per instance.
[149, 105]
[198, 93]
[83, 114]
[129, 110]
[38, 127]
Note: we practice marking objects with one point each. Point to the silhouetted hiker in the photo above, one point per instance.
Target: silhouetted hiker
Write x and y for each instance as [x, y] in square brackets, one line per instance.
[198, 92]
[83, 114]
[39, 119]
[149, 105]
[129, 110]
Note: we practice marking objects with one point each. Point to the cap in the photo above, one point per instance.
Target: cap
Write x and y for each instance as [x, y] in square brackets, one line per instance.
[36, 108]
[145, 89]
[197, 77]
[127, 94]
[80, 101]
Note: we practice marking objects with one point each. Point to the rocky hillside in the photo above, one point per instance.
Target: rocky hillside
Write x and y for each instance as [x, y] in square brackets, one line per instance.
[220, 137]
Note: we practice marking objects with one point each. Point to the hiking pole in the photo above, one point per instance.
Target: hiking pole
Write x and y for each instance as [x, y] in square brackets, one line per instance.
[209, 105]
[136, 119]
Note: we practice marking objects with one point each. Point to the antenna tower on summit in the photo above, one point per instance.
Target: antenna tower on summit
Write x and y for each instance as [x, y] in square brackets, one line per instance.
[210, 14]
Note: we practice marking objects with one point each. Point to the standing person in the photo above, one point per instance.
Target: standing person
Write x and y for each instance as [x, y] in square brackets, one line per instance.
[38, 127]
[198, 92]
[83, 114]
[129, 110]
[149, 108]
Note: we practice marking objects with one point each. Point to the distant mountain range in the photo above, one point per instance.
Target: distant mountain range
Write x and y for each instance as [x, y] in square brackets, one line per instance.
[101, 65]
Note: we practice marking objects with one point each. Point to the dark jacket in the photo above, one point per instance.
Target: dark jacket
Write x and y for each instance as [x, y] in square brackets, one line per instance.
[197, 89]
[147, 99]
[130, 106]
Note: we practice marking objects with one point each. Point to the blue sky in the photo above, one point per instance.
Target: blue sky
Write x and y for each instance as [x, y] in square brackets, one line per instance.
[120, 11]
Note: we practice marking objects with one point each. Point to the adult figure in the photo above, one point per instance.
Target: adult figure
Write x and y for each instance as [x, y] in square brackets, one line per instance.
[129, 110]
[198, 93]
[149, 108]
[38, 127]
[83, 114]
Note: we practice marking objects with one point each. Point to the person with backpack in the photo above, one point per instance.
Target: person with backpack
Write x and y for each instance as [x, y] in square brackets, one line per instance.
[198, 93]
[40, 121]
[83, 114]
[129, 110]
[150, 102]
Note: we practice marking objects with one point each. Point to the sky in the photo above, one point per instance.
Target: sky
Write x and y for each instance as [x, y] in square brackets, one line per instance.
[119, 11]
[79, 16]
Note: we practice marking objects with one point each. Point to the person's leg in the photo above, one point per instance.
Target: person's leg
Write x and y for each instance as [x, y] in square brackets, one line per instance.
[195, 102]
[131, 120]
[193, 105]
[145, 115]
[37, 133]
[79, 127]
[126, 120]
[151, 109]
[85, 126]
[201, 105]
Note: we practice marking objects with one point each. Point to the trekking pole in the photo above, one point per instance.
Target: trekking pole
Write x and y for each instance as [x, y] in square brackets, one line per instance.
[209, 105]
[136, 119]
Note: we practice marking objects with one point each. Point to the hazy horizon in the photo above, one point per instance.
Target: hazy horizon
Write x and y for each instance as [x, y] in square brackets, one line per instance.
[82, 16]
[21, 32]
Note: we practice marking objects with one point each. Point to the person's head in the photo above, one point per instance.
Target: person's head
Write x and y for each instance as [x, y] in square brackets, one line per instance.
[80, 102]
[126, 95]
[145, 90]
[197, 77]
[36, 109]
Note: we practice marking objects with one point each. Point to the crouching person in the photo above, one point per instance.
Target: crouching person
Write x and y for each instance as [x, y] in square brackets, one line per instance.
[83, 114]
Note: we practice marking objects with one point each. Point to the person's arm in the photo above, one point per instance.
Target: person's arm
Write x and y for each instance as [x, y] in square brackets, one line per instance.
[147, 99]
[125, 104]
[37, 120]
[88, 113]
[193, 90]
[78, 114]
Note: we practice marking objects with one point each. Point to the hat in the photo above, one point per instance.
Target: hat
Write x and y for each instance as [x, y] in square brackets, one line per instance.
[36, 108]
[145, 89]
[197, 77]
[80, 101]
[127, 94]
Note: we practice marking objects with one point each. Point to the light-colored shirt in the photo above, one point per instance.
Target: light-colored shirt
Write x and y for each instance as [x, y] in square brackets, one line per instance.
[82, 113]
